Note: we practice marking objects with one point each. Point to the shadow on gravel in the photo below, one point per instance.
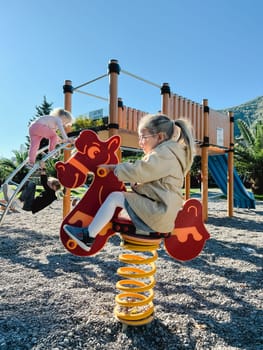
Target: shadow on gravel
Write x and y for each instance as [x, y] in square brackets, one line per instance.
[223, 308]
[27, 251]
[244, 224]
[157, 335]
[237, 322]
[210, 260]
[231, 318]
[60, 332]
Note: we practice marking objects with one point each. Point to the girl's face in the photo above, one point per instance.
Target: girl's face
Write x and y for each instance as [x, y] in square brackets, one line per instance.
[51, 185]
[65, 121]
[148, 141]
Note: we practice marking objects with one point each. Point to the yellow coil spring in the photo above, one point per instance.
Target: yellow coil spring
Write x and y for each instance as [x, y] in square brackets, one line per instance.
[135, 303]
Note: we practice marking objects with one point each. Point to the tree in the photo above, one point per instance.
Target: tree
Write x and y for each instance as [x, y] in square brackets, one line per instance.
[82, 122]
[249, 153]
[7, 166]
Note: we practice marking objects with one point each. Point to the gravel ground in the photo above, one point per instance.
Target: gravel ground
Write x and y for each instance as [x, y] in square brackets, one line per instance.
[53, 300]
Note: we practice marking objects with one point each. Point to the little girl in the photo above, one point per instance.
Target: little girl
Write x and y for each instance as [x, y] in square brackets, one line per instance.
[156, 195]
[47, 196]
[46, 127]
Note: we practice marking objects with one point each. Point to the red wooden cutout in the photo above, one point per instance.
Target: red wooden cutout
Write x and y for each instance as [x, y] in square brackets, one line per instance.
[189, 235]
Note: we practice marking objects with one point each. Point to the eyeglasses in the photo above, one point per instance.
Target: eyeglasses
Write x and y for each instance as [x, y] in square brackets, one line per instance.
[143, 137]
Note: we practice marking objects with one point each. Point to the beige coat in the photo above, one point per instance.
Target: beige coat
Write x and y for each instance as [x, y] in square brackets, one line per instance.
[159, 177]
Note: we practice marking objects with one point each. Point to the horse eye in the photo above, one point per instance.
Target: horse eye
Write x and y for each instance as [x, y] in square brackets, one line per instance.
[93, 152]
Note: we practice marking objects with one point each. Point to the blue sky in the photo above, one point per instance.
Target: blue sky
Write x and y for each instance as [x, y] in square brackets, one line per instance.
[203, 48]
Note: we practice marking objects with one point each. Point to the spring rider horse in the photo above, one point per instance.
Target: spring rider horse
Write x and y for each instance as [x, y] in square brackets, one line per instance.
[134, 305]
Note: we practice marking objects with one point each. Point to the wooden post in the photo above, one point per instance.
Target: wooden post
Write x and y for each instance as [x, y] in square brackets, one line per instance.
[204, 160]
[68, 90]
[230, 178]
[166, 93]
[187, 185]
[113, 71]
[121, 123]
[187, 115]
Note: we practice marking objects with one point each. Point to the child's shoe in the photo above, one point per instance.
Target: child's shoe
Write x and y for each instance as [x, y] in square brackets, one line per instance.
[29, 166]
[5, 192]
[74, 202]
[80, 235]
[8, 192]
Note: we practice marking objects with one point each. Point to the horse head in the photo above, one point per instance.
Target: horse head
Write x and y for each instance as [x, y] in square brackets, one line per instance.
[90, 153]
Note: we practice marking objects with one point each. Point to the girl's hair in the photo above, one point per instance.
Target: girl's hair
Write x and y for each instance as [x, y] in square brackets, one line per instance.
[157, 123]
[62, 113]
[54, 183]
[186, 137]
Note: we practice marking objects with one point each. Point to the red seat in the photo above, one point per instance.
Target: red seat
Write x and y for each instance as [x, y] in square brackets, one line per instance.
[126, 226]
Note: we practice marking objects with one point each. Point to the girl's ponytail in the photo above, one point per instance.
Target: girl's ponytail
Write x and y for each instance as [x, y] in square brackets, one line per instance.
[185, 136]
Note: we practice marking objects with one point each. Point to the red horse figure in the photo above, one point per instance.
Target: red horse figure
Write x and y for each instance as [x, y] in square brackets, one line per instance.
[184, 243]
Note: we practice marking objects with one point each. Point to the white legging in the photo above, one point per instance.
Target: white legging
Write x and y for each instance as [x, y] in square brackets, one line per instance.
[104, 214]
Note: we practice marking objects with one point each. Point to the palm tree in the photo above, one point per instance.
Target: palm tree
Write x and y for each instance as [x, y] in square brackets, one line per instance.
[249, 153]
[7, 166]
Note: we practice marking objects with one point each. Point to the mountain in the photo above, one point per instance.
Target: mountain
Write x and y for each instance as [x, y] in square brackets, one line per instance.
[249, 112]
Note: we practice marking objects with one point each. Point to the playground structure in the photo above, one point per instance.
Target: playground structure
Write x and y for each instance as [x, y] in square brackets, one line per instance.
[185, 242]
[213, 131]
[5, 206]
[213, 134]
